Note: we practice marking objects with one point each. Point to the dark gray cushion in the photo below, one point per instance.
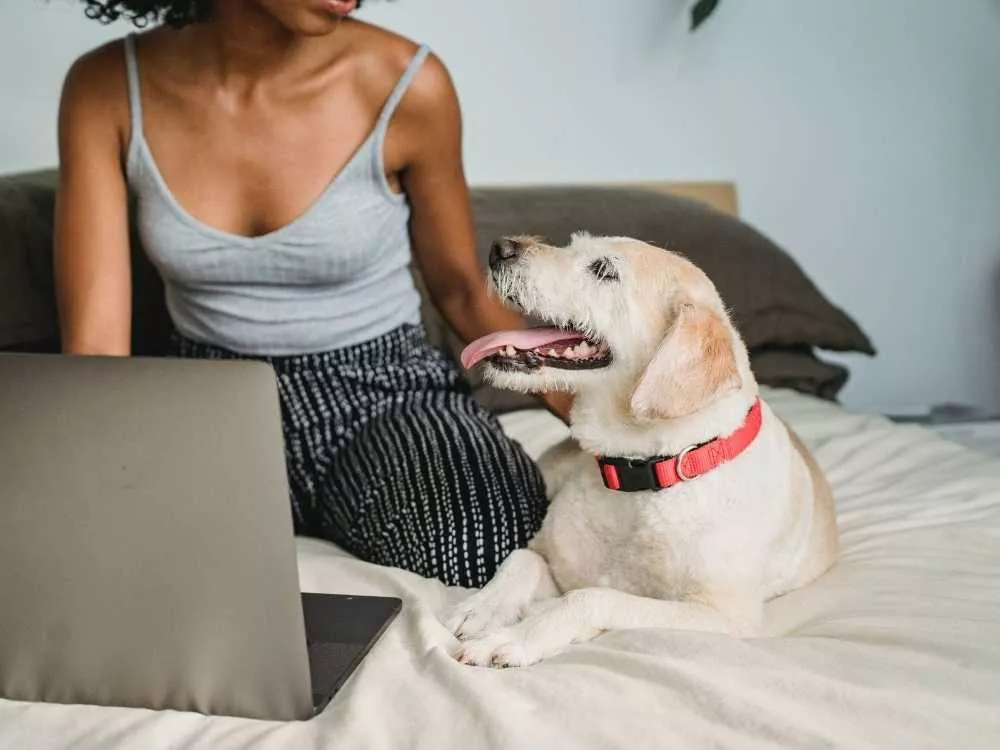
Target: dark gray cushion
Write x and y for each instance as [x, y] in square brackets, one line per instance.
[28, 318]
[774, 303]
[781, 314]
[799, 369]
[27, 309]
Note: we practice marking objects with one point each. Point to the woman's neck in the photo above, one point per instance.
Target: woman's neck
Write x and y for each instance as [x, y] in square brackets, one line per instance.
[246, 45]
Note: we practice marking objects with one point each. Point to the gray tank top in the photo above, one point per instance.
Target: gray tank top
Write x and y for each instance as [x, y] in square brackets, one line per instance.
[336, 276]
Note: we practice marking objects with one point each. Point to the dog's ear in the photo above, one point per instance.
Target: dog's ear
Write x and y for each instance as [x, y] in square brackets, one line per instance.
[692, 367]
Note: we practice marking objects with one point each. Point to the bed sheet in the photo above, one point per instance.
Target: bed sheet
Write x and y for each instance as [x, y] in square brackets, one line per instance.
[897, 647]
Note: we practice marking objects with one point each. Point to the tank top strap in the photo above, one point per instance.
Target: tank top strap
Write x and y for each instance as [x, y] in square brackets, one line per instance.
[134, 98]
[400, 89]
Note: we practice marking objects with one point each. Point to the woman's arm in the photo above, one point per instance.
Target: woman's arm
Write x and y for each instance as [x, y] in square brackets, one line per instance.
[92, 261]
[441, 216]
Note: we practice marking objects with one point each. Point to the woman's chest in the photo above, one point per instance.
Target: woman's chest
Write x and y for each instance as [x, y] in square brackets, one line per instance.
[348, 236]
[253, 170]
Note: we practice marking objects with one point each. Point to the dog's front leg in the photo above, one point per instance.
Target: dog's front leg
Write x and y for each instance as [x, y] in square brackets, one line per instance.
[523, 577]
[583, 614]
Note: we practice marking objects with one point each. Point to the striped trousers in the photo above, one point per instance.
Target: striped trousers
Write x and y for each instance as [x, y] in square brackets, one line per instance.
[391, 458]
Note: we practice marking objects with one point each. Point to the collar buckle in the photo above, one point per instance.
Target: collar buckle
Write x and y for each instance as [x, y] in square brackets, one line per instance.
[629, 474]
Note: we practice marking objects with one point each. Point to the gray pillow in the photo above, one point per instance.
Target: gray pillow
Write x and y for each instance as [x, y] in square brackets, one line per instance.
[27, 308]
[28, 319]
[779, 311]
[799, 369]
[774, 303]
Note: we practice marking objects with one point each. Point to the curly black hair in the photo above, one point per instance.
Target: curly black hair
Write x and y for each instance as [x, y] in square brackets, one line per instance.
[144, 12]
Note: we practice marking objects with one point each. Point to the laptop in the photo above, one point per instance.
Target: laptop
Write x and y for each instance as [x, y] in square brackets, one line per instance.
[147, 556]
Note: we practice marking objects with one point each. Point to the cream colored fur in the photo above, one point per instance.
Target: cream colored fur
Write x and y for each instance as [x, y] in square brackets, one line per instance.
[702, 555]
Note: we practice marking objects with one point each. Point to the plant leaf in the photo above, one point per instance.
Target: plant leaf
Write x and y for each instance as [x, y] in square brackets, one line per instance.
[701, 11]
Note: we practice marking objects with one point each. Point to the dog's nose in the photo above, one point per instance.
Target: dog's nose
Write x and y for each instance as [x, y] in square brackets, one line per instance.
[503, 251]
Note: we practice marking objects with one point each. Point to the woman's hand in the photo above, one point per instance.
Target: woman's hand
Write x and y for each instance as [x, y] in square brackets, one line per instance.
[560, 404]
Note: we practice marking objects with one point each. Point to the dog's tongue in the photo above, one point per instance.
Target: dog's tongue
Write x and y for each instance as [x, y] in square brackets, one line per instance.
[529, 338]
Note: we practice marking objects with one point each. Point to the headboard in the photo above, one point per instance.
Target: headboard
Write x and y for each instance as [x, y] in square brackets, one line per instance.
[720, 195]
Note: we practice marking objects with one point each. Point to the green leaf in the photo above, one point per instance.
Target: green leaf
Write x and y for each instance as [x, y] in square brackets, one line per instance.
[701, 11]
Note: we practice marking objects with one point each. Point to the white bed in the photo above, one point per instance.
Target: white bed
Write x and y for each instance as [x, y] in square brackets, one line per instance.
[897, 647]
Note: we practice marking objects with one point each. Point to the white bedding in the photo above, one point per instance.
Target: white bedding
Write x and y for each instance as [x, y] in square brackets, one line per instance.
[897, 647]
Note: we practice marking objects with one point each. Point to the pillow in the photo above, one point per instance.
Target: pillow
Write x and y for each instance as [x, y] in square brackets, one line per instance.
[773, 302]
[778, 310]
[28, 319]
[27, 306]
[798, 369]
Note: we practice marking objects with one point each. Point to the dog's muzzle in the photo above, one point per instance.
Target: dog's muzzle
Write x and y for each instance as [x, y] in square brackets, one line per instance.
[505, 251]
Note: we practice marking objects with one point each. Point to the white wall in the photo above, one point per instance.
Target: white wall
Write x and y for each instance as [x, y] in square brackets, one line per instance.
[864, 136]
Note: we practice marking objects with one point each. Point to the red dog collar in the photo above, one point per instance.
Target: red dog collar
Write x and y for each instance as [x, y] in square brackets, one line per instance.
[661, 472]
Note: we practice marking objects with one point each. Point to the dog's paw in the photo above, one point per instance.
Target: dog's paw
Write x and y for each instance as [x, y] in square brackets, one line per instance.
[550, 627]
[480, 613]
[503, 648]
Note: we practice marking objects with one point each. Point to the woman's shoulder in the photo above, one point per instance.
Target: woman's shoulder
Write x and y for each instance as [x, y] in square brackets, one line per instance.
[100, 67]
[95, 85]
[381, 48]
[102, 70]
[385, 56]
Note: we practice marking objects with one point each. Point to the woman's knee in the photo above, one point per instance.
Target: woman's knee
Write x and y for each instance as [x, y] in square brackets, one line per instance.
[443, 495]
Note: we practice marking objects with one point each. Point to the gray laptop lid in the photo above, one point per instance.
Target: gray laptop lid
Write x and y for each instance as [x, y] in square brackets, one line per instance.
[146, 546]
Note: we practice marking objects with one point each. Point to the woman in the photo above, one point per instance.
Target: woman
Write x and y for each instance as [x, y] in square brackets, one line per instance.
[286, 160]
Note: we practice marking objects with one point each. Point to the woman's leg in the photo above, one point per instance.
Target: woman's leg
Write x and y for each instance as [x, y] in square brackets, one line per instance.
[390, 457]
[434, 486]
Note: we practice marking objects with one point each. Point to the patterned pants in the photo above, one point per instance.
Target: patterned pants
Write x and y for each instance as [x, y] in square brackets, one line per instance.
[390, 458]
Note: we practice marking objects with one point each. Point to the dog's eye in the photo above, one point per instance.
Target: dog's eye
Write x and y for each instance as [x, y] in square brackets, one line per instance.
[604, 269]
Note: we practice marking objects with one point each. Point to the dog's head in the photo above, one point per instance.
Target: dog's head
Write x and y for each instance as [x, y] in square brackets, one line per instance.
[627, 318]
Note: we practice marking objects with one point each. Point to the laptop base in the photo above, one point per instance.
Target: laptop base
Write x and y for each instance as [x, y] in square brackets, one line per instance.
[340, 631]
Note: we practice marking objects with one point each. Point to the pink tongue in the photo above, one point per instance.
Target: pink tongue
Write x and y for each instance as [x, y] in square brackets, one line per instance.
[530, 338]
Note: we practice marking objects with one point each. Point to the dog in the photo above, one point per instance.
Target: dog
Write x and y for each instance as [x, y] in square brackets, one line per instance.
[680, 500]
